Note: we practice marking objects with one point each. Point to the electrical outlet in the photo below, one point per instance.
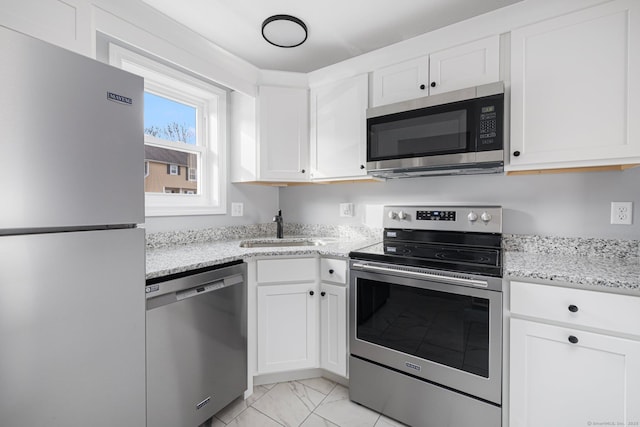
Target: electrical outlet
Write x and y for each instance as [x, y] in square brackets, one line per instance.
[621, 212]
[346, 209]
[237, 209]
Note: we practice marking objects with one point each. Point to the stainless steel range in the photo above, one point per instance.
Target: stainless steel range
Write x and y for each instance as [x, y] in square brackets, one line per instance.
[426, 317]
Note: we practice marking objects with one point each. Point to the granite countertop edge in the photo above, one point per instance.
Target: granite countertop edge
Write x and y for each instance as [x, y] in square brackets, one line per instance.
[587, 272]
[181, 258]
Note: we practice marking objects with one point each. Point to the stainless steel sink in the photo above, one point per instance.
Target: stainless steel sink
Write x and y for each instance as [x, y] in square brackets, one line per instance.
[278, 243]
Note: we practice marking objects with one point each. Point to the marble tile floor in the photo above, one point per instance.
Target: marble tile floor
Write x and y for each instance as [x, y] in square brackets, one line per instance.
[315, 402]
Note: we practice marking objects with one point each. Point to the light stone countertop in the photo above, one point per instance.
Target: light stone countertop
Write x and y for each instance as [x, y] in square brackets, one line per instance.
[597, 264]
[168, 260]
[620, 275]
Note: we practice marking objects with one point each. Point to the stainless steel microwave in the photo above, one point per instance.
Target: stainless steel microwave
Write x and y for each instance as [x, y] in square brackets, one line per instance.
[459, 132]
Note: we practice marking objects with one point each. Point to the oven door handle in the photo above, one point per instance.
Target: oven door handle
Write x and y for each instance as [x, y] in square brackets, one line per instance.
[454, 280]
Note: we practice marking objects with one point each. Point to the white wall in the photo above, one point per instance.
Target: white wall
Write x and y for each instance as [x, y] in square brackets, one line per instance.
[571, 205]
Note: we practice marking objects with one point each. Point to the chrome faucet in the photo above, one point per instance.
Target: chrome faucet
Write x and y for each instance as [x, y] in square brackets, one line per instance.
[278, 220]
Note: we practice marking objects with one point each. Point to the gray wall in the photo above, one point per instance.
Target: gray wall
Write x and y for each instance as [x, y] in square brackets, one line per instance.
[260, 204]
[569, 205]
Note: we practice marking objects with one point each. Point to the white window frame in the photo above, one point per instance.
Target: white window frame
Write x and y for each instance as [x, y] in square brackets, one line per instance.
[174, 169]
[211, 104]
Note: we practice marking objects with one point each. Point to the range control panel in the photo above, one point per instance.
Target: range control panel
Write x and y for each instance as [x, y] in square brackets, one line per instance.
[486, 219]
[435, 215]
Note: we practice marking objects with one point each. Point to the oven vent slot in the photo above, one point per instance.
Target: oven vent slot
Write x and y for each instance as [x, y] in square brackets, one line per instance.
[431, 272]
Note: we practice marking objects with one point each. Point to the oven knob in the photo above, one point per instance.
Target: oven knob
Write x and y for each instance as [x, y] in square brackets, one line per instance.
[402, 216]
[392, 215]
[485, 217]
[472, 217]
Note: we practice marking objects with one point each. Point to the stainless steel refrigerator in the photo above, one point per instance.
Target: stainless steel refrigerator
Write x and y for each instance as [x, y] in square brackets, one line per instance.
[72, 303]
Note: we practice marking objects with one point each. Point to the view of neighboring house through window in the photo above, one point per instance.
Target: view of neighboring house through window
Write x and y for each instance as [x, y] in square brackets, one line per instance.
[169, 120]
[184, 137]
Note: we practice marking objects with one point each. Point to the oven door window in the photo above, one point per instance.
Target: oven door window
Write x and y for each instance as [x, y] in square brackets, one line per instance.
[443, 130]
[441, 327]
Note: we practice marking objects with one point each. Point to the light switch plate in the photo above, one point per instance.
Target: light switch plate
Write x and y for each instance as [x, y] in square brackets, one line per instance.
[237, 209]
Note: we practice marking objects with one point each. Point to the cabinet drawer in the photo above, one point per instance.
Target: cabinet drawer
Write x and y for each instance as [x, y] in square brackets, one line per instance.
[287, 270]
[333, 270]
[613, 312]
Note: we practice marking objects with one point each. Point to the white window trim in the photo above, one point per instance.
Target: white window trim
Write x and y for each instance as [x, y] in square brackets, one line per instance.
[211, 100]
[173, 167]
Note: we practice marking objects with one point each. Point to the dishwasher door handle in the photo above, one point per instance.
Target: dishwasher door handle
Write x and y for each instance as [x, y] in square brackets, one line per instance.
[164, 298]
[200, 290]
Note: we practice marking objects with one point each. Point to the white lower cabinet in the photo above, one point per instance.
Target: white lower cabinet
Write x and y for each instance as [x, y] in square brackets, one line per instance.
[301, 322]
[567, 374]
[333, 328]
[287, 327]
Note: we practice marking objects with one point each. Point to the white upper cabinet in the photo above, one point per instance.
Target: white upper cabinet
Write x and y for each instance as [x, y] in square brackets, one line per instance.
[270, 135]
[399, 82]
[471, 64]
[575, 89]
[63, 23]
[283, 133]
[338, 129]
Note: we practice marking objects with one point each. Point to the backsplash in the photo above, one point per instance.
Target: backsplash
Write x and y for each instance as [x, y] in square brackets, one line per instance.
[237, 232]
[607, 248]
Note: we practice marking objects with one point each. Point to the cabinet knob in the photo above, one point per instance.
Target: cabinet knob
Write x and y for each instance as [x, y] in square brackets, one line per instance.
[302, 171]
[323, 293]
[361, 166]
[573, 339]
[573, 308]
[433, 84]
[422, 87]
[331, 271]
[311, 293]
[516, 153]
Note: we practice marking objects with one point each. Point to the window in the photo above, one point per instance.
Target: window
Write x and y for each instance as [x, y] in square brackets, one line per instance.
[193, 174]
[185, 138]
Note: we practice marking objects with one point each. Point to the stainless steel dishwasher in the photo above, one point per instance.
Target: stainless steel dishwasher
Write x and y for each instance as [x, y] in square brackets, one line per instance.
[196, 344]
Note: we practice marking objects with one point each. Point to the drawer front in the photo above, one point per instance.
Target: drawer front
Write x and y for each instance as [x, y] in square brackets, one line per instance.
[613, 312]
[287, 270]
[333, 270]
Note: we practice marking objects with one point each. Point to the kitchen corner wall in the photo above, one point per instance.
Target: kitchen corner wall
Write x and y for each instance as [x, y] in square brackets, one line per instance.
[568, 205]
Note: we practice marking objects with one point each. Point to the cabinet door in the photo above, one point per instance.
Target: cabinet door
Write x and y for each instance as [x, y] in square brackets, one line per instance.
[399, 82]
[333, 328]
[338, 129]
[284, 133]
[575, 89]
[471, 64]
[556, 383]
[287, 327]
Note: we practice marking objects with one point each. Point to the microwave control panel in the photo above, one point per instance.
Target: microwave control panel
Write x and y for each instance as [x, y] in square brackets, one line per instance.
[488, 114]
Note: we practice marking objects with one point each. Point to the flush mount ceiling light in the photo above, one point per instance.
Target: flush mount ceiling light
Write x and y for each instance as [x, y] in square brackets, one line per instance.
[284, 31]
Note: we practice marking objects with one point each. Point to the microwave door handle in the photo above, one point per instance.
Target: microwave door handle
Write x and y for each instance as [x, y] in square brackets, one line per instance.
[454, 280]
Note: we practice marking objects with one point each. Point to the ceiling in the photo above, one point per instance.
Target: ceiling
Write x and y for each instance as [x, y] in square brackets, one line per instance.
[338, 29]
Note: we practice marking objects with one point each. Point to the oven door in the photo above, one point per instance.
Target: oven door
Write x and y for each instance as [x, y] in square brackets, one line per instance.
[441, 329]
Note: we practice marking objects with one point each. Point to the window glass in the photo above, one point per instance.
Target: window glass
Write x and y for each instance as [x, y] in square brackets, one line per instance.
[169, 120]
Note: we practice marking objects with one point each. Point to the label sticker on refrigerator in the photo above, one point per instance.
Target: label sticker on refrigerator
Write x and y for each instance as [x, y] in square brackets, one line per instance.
[119, 98]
